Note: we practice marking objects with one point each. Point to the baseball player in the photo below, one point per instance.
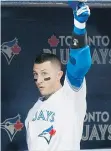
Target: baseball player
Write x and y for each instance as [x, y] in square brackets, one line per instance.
[55, 122]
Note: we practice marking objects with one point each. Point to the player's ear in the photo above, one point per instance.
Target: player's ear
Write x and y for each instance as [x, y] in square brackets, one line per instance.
[60, 74]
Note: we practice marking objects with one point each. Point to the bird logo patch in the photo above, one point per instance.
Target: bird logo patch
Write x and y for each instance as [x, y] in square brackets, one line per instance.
[10, 49]
[48, 133]
[12, 126]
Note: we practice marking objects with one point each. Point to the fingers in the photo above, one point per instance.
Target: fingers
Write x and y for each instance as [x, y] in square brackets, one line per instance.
[84, 9]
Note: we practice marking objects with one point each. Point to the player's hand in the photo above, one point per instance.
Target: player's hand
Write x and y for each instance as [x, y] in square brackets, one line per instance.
[82, 13]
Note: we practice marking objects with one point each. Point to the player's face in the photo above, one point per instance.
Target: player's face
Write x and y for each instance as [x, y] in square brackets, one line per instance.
[46, 77]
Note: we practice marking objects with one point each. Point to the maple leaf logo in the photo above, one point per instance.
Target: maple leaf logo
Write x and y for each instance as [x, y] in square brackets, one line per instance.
[53, 41]
[18, 125]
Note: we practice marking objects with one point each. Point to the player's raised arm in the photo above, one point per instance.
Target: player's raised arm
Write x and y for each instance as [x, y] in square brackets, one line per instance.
[79, 57]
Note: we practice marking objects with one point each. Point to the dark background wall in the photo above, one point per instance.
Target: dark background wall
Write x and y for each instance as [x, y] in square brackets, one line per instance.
[33, 27]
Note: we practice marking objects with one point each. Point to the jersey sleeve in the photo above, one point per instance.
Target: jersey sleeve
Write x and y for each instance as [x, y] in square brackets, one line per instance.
[75, 83]
[78, 96]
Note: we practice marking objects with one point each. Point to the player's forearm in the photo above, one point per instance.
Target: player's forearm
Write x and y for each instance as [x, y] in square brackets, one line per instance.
[79, 61]
[79, 58]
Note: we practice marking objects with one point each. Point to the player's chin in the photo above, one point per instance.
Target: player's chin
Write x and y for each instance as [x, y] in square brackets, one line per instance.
[43, 92]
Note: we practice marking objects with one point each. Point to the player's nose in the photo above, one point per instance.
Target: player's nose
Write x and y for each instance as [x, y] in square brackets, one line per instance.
[39, 80]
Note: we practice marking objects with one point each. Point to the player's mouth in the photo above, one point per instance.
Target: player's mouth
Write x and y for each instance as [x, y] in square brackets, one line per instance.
[41, 88]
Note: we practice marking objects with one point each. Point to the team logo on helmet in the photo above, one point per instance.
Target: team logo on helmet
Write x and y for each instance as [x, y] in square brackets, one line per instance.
[10, 49]
[12, 126]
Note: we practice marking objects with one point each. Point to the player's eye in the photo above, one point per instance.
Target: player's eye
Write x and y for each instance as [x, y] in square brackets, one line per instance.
[35, 74]
[44, 73]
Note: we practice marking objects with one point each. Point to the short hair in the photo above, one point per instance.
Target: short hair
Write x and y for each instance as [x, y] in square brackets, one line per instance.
[48, 57]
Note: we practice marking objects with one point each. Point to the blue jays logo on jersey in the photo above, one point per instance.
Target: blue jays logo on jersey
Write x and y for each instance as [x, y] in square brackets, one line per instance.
[48, 133]
[12, 126]
[10, 49]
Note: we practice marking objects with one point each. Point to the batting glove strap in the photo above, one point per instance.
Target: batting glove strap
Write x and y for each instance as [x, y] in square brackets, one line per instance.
[79, 25]
[78, 41]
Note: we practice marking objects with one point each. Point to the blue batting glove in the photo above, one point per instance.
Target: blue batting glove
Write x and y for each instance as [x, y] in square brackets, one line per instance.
[82, 12]
[81, 16]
